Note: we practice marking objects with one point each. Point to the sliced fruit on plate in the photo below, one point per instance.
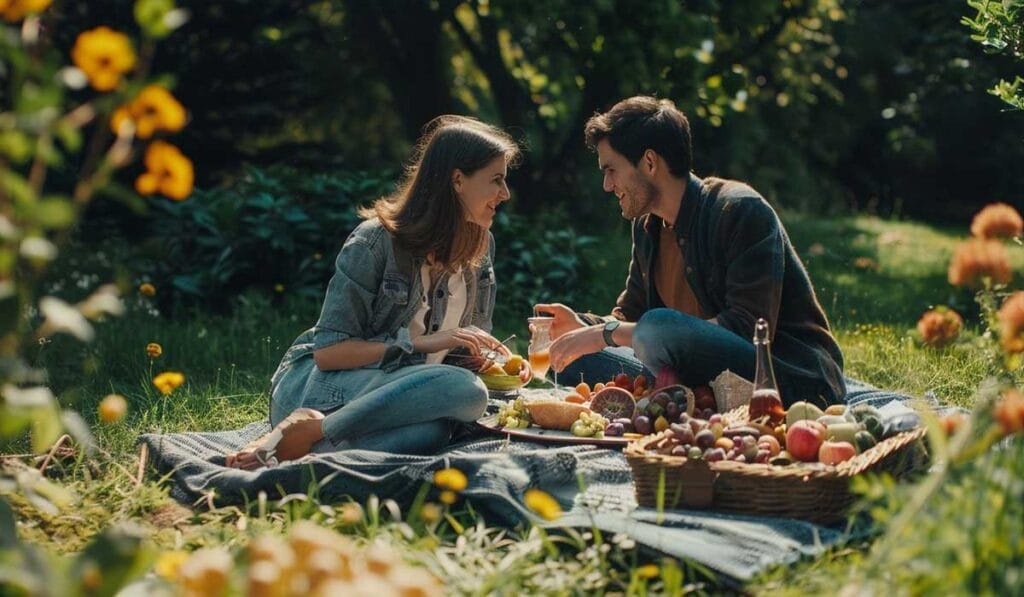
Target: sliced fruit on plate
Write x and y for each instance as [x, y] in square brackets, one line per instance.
[613, 403]
[555, 414]
[501, 382]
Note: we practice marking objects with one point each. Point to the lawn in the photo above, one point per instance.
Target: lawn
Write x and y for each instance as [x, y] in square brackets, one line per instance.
[875, 278]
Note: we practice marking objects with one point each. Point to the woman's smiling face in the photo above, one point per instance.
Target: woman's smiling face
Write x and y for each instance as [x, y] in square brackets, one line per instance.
[482, 191]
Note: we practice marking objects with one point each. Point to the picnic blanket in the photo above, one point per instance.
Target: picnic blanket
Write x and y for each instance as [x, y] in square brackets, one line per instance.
[593, 485]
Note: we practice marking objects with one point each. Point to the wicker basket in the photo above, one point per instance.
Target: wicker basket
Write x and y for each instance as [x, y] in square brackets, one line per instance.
[811, 492]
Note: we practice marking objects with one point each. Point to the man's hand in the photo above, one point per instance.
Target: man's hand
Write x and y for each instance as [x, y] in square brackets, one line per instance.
[575, 344]
[565, 321]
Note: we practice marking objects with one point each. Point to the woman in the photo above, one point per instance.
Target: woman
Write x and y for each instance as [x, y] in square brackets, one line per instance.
[414, 281]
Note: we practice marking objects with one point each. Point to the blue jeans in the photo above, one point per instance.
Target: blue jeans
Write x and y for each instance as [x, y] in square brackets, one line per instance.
[695, 349]
[408, 411]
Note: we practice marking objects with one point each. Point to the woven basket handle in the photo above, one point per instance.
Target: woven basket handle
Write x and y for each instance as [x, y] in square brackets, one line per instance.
[698, 483]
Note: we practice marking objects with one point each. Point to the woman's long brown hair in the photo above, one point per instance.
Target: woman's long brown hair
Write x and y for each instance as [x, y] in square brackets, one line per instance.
[425, 215]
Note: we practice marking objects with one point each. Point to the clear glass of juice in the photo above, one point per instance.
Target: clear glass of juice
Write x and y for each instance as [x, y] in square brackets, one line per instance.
[540, 343]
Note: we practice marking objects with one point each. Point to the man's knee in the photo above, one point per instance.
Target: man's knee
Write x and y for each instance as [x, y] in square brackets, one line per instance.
[659, 328]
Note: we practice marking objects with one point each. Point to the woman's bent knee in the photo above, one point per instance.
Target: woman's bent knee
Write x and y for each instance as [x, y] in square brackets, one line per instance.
[465, 393]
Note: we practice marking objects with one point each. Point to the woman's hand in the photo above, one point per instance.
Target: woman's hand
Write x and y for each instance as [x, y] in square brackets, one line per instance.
[565, 321]
[472, 338]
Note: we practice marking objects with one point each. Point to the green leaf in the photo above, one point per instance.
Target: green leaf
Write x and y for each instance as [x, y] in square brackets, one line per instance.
[17, 187]
[151, 15]
[54, 213]
[15, 145]
[119, 553]
[13, 421]
[8, 530]
[69, 136]
[46, 427]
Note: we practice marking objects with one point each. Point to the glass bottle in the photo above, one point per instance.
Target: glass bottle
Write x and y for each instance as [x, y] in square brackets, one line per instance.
[765, 403]
[540, 343]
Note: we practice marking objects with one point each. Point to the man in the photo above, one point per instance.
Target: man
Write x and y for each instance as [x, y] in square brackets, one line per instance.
[709, 258]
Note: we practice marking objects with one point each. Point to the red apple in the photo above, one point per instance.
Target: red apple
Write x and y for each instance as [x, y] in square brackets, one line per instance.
[836, 452]
[804, 438]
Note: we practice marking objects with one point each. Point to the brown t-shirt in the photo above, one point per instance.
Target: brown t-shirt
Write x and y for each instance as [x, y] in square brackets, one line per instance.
[669, 279]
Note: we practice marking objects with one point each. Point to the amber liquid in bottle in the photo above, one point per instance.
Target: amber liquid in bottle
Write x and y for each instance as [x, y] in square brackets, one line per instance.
[765, 403]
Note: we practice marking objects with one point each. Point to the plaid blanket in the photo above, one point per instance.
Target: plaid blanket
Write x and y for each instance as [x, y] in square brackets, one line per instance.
[593, 485]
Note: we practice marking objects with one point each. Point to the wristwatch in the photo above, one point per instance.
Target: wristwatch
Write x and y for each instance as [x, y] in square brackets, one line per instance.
[610, 327]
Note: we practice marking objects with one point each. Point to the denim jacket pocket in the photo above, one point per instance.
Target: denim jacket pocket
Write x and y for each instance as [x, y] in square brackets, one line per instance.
[391, 301]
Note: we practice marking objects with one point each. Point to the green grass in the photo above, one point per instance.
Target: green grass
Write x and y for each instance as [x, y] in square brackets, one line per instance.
[228, 360]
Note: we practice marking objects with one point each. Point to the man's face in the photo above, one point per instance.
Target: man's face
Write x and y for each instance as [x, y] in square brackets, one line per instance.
[634, 190]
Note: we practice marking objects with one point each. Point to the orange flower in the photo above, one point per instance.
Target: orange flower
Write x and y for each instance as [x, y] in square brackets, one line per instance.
[112, 408]
[865, 263]
[15, 10]
[1011, 323]
[997, 220]
[154, 350]
[939, 326]
[168, 381]
[168, 171]
[1009, 412]
[147, 289]
[103, 55]
[976, 259]
[154, 109]
[951, 423]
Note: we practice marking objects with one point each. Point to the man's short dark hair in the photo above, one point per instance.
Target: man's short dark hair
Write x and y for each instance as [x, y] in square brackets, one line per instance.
[639, 123]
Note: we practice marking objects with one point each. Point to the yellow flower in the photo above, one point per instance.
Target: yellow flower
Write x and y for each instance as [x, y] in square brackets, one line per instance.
[15, 10]
[430, 512]
[168, 172]
[648, 571]
[450, 478]
[103, 55]
[169, 563]
[939, 326]
[448, 497]
[154, 350]
[978, 258]
[278, 288]
[147, 289]
[168, 381]
[542, 504]
[997, 220]
[112, 408]
[154, 109]
[1011, 323]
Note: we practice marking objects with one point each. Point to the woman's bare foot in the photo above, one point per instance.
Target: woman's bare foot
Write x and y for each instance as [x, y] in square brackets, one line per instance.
[292, 438]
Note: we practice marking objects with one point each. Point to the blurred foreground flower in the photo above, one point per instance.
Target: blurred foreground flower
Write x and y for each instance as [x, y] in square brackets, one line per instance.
[15, 10]
[168, 381]
[1011, 323]
[940, 326]
[154, 350]
[168, 564]
[1009, 412]
[997, 220]
[648, 571]
[206, 572]
[106, 300]
[542, 504]
[154, 109]
[314, 560]
[62, 317]
[103, 55]
[147, 289]
[450, 478]
[168, 172]
[976, 259]
[113, 408]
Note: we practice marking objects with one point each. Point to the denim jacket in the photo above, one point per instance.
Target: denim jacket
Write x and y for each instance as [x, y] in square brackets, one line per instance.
[375, 291]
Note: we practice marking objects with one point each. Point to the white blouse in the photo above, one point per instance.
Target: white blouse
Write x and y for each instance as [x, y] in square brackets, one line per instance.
[457, 298]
